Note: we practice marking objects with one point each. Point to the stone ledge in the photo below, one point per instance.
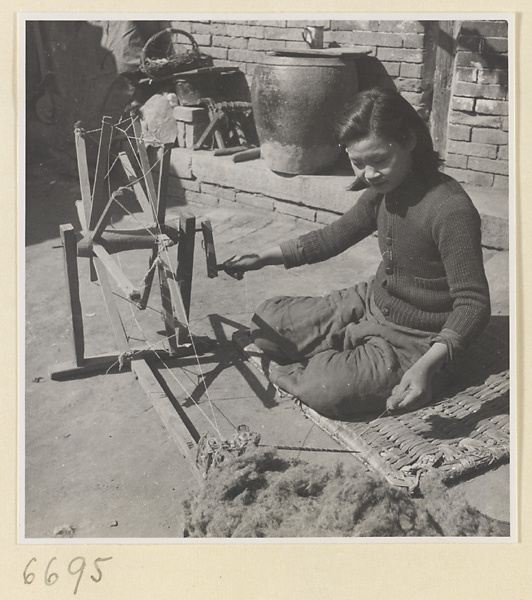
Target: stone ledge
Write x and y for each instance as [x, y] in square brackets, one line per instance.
[316, 198]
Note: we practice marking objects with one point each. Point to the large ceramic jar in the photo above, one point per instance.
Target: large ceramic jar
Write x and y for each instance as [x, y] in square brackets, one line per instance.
[296, 102]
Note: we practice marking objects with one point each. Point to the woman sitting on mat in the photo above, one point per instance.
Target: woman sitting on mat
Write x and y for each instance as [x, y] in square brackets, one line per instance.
[383, 343]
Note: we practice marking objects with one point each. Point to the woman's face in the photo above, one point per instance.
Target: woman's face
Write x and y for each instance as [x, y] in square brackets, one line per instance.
[383, 164]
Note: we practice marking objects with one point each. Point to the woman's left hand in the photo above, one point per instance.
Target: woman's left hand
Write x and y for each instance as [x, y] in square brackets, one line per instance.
[414, 391]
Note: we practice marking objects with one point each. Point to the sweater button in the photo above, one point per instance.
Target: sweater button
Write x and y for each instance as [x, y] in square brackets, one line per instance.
[389, 270]
[385, 311]
[388, 241]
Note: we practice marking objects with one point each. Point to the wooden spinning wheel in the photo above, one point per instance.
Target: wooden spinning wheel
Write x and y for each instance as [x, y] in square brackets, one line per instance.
[97, 242]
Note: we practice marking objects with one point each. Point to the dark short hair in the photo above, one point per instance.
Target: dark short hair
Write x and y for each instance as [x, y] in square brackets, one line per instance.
[385, 113]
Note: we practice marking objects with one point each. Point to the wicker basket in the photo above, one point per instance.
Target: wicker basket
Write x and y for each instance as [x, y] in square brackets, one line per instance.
[159, 64]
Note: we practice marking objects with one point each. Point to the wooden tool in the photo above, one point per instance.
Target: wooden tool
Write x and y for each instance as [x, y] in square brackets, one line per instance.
[251, 154]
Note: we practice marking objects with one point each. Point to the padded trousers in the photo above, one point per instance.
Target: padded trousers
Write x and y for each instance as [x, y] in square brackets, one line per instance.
[336, 353]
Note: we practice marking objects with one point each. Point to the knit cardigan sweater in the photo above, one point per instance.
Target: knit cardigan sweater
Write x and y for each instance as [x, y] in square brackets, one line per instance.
[431, 276]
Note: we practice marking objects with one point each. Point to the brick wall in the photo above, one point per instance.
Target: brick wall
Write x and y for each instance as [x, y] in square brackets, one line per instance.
[478, 121]
[396, 47]
[476, 150]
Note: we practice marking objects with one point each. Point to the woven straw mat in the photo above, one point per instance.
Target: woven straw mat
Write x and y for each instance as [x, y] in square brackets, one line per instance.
[466, 429]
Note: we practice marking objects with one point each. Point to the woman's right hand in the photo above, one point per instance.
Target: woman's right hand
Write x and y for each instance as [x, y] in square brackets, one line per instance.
[236, 266]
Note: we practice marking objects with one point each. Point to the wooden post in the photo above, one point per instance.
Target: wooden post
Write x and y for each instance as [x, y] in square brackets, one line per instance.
[102, 165]
[83, 171]
[70, 254]
[185, 259]
[147, 208]
[210, 253]
[143, 156]
[164, 173]
[443, 75]
[167, 306]
[148, 281]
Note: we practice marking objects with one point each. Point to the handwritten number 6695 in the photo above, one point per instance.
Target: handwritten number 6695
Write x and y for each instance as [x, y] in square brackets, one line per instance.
[75, 567]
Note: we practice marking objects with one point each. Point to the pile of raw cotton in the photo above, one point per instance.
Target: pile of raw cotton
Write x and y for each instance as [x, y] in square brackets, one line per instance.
[262, 495]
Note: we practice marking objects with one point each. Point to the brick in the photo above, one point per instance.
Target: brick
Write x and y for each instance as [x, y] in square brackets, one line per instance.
[190, 114]
[412, 70]
[495, 76]
[503, 153]
[476, 90]
[469, 43]
[504, 125]
[224, 63]
[203, 39]
[245, 56]
[414, 40]
[489, 136]
[392, 69]
[226, 41]
[497, 45]
[457, 161]
[389, 40]
[476, 120]
[213, 28]
[471, 177]
[400, 55]
[183, 25]
[255, 44]
[267, 23]
[245, 31]
[346, 25]
[409, 85]
[218, 53]
[311, 23]
[289, 45]
[181, 163]
[190, 185]
[286, 33]
[468, 75]
[501, 182]
[250, 31]
[401, 26]
[347, 38]
[181, 140]
[500, 167]
[470, 149]
[491, 107]
[459, 132]
[486, 28]
[495, 61]
[220, 192]
[256, 200]
[199, 198]
[301, 212]
[463, 104]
